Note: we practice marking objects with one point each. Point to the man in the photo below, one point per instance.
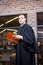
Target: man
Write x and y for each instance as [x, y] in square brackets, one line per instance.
[26, 48]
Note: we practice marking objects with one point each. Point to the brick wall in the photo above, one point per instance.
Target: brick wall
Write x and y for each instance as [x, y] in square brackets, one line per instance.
[30, 7]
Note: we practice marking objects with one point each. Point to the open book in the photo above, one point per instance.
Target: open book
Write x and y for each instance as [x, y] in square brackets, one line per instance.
[10, 37]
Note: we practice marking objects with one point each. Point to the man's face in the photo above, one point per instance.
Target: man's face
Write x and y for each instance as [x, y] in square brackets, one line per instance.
[22, 19]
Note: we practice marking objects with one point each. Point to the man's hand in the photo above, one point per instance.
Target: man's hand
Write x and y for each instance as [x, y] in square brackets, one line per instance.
[18, 37]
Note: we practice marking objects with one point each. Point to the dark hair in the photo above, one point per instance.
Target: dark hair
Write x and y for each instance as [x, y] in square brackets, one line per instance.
[23, 14]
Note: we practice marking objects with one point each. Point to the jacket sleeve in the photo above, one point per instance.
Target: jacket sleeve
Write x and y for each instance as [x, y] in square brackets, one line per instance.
[28, 36]
[30, 40]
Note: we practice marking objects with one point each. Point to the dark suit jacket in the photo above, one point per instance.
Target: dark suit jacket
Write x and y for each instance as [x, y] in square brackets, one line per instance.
[26, 47]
